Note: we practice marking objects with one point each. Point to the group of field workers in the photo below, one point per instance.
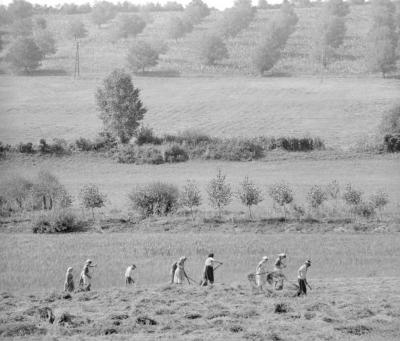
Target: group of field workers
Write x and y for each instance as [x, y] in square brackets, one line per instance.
[178, 274]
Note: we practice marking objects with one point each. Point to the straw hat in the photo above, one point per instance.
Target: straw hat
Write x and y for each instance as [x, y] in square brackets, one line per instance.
[308, 261]
[69, 269]
[182, 258]
[282, 255]
[265, 258]
[88, 261]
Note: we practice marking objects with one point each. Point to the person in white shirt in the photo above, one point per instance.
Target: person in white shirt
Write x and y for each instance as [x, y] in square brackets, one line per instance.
[180, 273]
[261, 272]
[129, 273]
[278, 267]
[209, 270]
[85, 278]
[302, 278]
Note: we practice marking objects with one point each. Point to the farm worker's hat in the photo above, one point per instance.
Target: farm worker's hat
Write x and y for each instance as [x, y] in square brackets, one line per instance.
[282, 255]
[308, 262]
[88, 261]
[69, 269]
[265, 258]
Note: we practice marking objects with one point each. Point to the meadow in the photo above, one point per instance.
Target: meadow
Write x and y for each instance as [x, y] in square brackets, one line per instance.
[341, 111]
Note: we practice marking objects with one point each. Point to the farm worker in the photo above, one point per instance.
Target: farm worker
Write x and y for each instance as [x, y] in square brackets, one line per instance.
[128, 274]
[209, 270]
[85, 276]
[278, 266]
[302, 278]
[173, 269]
[261, 272]
[180, 273]
[69, 281]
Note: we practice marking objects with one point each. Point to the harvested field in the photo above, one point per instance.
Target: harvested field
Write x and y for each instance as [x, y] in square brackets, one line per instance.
[351, 309]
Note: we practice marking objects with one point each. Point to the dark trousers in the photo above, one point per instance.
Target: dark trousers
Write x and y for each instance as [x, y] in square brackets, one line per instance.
[209, 274]
[302, 287]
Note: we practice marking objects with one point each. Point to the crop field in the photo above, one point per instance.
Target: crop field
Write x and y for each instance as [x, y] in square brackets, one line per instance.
[355, 283]
[118, 180]
[341, 111]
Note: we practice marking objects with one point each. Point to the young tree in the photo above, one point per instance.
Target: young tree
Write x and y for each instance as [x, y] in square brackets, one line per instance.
[379, 200]
[45, 41]
[24, 54]
[92, 198]
[76, 29]
[219, 192]
[130, 26]
[266, 55]
[102, 12]
[281, 194]
[141, 55]
[190, 197]
[316, 196]
[352, 196]
[212, 49]
[121, 109]
[249, 194]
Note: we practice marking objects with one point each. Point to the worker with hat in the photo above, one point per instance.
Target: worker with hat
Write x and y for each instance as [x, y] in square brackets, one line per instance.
[69, 281]
[261, 272]
[129, 274]
[180, 273]
[302, 278]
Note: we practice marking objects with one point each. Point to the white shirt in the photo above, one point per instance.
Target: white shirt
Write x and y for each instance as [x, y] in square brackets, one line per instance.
[302, 272]
[209, 261]
[129, 271]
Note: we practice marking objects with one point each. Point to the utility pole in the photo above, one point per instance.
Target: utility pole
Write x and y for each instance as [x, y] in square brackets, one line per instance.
[77, 70]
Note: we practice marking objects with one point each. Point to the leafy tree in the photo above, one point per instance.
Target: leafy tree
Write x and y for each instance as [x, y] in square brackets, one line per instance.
[102, 12]
[249, 194]
[20, 9]
[383, 38]
[24, 54]
[130, 26]
[212, 49]
[141, 55]
[191, 196]
[316, 196]
[352, 196]
[288, 17]
[266, 55]
[92, 198]
[379, 200]
[45, 41]
[196, 10]
[219, 192]
[22, 28]
[76, 29]
[333, 190]
[121, 109]
[177, 28]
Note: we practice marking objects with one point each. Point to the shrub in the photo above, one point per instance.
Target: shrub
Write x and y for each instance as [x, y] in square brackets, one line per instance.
[58, 147]
[190, 197]
[175, 153]
[145, 154]
[4, 149]
[379, 200]
[92, 198]
[219, 192]
[121, 109]
[189, 137]
[390, 124]
[145, 135]
[352, 196]
[364, 209]
[316, 196]
[249, 194]
[281, 194]
[26, 148]
[156, 198]
[105, 141]
[212, 49]
[24, 54]
[84, 145]
[55, 222]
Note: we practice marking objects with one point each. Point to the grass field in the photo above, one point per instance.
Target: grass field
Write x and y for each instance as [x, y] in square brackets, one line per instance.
[118, 180]
[340, 111]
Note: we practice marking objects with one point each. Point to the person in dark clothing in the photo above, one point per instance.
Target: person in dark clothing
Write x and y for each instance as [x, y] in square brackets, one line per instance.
[209, 270]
